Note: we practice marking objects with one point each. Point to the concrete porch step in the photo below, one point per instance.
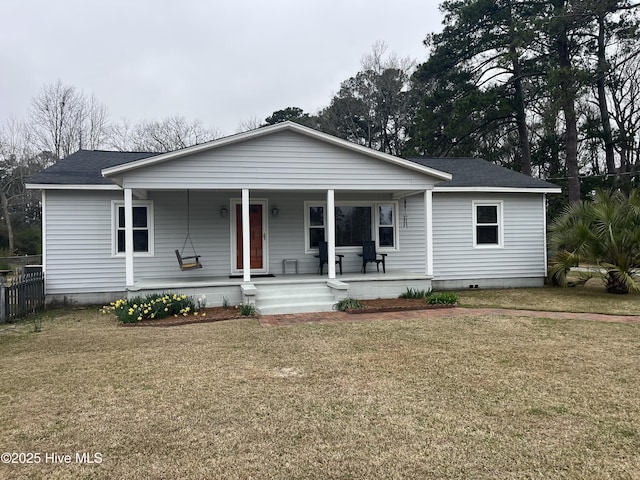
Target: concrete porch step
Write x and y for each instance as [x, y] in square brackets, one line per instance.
[280, 299]
[296, 308]
[292, 289]
[294, 298]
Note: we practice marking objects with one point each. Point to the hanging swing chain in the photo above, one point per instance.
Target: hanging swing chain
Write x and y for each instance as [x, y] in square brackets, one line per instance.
[188, 212]
[188, 237]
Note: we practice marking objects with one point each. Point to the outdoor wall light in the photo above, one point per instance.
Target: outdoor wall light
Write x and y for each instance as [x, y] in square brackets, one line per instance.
[275, 211]
[224, 211]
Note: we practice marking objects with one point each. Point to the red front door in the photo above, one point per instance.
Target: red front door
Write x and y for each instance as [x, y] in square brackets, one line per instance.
[255, 234]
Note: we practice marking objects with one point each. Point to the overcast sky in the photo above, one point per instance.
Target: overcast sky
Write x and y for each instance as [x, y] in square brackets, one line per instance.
[223, 62]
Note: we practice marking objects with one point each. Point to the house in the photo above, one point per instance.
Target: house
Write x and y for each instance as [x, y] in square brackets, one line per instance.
[254, 206]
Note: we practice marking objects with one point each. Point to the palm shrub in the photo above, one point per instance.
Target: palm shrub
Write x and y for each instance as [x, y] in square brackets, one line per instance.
[603, 232]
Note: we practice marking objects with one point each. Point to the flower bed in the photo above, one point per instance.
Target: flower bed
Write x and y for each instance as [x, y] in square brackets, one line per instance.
[172, 309]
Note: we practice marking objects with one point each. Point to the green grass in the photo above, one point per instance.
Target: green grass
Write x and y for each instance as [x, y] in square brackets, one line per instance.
[471, 397]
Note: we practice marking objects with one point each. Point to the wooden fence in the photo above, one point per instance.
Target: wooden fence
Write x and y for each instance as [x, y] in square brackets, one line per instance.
[22, 296]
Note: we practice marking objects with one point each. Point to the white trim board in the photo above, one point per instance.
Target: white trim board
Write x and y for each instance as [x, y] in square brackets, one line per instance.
[443, 189]
[57, 186]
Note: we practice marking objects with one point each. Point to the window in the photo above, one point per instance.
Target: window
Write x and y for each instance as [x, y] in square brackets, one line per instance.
[386, 225]
[487, 224]
[316, 226]
[142, 228]
[354, 223]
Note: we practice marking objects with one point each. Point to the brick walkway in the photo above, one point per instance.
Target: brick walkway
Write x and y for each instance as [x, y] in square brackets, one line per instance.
[337, 317]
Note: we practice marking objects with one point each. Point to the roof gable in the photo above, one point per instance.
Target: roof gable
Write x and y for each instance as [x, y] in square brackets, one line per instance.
[119, 170]
[285, 159]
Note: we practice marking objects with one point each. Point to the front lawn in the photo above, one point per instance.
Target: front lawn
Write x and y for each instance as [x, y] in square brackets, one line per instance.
[475, 397]
[590, 298]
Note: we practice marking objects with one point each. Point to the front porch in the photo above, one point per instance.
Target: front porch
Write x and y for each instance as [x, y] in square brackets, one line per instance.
[287, 293]
[257, 203]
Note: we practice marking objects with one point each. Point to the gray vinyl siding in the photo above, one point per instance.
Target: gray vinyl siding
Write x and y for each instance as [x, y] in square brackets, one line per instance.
[79, 237]
[287, 236]
[78, 243]
[208, 230]
[211, 233]
[412, 256]
[281, 161]
[522, 254]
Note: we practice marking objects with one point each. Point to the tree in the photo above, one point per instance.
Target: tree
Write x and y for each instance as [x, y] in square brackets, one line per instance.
[289, 114]
[373, 107]
[18, 161]
[65, 120]
[487, 43]
[563, 79]
[611, 43]
[172, 133]
[624, 91]
[603, 232]
[250, 124]
[456, 118]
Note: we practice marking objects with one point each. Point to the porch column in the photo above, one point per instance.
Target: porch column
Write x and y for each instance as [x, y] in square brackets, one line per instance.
[428, 222]
[544, 232]
[128, 236]
[246, 237]
[331, 234]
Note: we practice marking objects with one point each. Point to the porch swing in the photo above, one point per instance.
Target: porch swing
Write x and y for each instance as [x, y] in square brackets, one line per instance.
[193, 261]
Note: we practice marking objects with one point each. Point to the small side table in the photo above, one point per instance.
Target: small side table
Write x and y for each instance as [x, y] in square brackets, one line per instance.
[289, 260]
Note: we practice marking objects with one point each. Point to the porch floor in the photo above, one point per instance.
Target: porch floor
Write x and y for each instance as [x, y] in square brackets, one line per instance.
[176, 282]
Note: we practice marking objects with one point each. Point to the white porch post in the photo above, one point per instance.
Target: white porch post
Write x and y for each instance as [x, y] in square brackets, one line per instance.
[428, 214]
[43, 203]
[331, 234]
[246, 237]
[128, 236]
[544, 232]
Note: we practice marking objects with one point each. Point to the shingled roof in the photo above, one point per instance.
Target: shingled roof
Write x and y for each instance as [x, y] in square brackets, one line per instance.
[85, 167]
[475, 172]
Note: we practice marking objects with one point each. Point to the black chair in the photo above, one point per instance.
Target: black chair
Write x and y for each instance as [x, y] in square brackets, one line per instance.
[323, 255]
[369, 255]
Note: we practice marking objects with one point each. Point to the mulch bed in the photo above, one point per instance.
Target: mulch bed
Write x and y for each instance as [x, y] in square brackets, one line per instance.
[395, 305]
[217, 314]
[206, 315]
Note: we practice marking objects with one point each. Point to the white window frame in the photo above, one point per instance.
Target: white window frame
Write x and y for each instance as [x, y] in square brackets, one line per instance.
[308, 226]
[115, 205]
[375, 224]
[500, 223]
